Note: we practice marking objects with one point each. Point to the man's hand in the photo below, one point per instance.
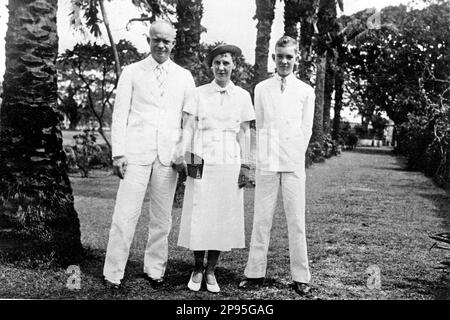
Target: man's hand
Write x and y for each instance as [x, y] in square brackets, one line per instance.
[243, 176]
[179, 164]
[120, 166]
[180, 167]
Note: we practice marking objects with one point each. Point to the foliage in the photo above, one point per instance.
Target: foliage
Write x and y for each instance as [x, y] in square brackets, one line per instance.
[86, 13]
[406, 72]
[73, 109]
[347, 136]
[189, 30]
[86, 153]
[87, 73]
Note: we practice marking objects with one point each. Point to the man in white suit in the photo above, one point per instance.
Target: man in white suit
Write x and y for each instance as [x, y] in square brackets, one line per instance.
[146, 133]
[284, 108]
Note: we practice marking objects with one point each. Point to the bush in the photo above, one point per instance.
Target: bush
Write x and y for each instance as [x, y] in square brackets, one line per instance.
[425, 141]
[86, 154]
[352, 141]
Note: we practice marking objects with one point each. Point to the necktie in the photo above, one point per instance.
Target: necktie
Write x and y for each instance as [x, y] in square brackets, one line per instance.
[283, 84]
[160, 78]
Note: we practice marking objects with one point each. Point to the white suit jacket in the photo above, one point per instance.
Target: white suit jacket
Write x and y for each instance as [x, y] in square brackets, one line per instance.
[283, 122]
[144, 124]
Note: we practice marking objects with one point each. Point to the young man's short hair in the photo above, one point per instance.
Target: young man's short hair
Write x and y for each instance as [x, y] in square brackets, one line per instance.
[286, 41]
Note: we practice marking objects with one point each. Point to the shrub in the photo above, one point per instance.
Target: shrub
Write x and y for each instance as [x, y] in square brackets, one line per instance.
[86, 154]
[425, 141]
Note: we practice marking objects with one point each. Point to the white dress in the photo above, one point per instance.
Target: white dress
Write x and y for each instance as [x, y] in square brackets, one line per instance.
[213, 208]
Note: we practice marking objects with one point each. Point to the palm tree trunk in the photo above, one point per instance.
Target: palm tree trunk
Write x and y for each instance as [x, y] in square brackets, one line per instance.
[307, 12]
[328, 92]
[292, 16]
[265, 13]
[35, 193]
[189, 29]
[338, 96]
[317, 131]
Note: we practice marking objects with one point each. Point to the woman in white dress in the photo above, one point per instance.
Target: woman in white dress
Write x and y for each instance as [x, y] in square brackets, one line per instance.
[212, 218]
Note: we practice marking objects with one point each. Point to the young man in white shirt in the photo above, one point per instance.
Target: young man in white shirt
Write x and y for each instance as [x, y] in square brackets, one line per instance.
[146, 131]
[284, 108]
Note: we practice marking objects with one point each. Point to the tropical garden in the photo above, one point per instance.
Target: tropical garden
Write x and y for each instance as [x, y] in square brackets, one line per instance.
[394, 62]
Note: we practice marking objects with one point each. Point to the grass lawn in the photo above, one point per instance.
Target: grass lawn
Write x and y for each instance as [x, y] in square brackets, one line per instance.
[363, 210]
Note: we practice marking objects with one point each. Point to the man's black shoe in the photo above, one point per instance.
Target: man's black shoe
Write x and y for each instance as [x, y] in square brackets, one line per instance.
[154, 283]
[251, 283]
[113, 287]
[304, 290]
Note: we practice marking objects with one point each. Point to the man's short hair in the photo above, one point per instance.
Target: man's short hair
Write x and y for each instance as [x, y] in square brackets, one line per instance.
[286, 41]
[163, 22]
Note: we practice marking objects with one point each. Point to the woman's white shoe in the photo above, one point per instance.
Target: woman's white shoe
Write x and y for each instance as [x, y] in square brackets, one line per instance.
[195, 286]
[214, 288]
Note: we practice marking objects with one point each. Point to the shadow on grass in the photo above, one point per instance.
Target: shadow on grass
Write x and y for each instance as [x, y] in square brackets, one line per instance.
[177, 273]
[440, 289]
[442, 203]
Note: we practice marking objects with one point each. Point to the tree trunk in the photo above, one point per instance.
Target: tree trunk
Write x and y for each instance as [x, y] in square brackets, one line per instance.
[189, 29]
[292, 16]
[317, 131]
[35, 193]
[307, 12]
[117, 68]
[338, 96]
[328, 92]
[265, 13]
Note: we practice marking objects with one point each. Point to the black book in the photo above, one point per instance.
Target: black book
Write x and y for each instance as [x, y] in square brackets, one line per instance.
[194, 165]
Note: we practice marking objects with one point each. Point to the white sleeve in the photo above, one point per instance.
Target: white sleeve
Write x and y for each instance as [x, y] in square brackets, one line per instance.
[121, 110]
[308, 116]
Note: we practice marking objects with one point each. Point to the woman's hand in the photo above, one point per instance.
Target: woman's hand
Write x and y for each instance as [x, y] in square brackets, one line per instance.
[243, 175]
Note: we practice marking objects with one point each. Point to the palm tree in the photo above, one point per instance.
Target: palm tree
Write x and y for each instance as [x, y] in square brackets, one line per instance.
[338, 97]
[292, 15]
[265, 13]
[327, 28]
[189, 29]
[35, 193]
[308, 16]
[328, 92]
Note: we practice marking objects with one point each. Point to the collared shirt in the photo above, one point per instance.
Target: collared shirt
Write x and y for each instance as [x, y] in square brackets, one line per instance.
[283, 81]
[220, 112]
[223, 90]
[161, 70]
[284, 123]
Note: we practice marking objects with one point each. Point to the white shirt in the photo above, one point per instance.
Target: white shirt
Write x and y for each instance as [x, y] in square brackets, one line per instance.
[144, 123]
[284, 123]
[220, 112]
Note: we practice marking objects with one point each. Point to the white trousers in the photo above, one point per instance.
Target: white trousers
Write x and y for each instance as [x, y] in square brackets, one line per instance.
[266, 193]
[127, 210]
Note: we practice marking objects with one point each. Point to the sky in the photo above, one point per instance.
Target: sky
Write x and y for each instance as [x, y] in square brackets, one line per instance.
[225, 20]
